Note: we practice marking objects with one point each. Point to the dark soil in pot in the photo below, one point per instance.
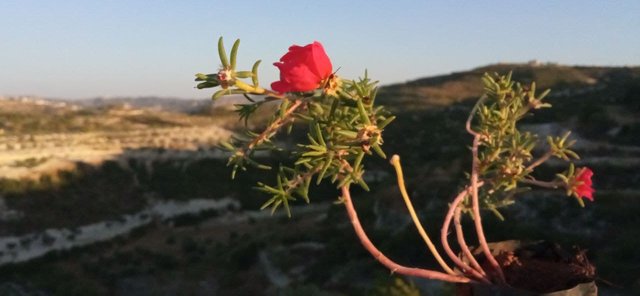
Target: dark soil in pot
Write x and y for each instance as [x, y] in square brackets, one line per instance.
[541, 267]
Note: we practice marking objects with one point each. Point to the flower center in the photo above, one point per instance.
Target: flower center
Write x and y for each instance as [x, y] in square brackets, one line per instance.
[331, 85]
[225, 77]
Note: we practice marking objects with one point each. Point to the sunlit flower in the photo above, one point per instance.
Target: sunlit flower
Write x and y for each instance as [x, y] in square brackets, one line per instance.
[303, 68]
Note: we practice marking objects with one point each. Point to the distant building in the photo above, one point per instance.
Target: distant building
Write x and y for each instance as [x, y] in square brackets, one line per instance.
[534, 63]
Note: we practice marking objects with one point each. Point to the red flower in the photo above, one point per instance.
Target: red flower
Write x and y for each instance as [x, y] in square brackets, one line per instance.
[303, 68]
[583, 185]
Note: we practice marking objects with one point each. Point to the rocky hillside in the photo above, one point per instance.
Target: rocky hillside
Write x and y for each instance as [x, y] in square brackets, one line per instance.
[23, 116]
[41, 136]
[565, 81]
[315, 253]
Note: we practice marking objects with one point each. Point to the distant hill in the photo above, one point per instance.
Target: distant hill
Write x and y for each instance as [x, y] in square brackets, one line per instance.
[35, 115]
[168, 104]
[20, 116]
[598, 102]
[159, 103]
[444, 90]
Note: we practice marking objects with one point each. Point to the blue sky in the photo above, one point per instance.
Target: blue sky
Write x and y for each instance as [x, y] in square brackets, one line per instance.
[80, 49]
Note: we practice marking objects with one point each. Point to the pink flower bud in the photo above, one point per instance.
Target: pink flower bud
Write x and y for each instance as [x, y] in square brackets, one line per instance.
[303, 68]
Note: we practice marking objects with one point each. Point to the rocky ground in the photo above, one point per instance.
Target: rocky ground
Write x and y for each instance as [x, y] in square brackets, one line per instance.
[30, 156]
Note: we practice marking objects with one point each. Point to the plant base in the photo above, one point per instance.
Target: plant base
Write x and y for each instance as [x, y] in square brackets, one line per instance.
[537, 268]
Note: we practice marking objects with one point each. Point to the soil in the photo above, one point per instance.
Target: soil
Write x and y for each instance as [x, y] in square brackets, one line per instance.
[543, 267]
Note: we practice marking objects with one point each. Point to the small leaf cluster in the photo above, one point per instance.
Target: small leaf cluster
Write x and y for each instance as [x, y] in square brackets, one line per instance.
[559, 147]
[342, 130]
[505, 158]
[228, 77]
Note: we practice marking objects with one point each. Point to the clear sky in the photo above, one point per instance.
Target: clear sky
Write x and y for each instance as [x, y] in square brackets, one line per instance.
[80, 49]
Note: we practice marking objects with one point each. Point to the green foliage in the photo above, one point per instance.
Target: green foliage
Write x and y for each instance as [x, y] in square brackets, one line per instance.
[344, 125]
[505, 157]
[342, 129]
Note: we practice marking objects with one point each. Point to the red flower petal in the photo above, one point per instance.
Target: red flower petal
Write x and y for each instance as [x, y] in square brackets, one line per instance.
[319, 62]
[585, 185]
[302, 68]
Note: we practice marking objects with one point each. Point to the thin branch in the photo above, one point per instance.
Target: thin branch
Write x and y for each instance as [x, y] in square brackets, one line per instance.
[395, 161]
[477, 219]
[544, 184]
[540, 160]
[474, 193]
[299, 179]
[472, 113]
[271, 95]
[444, 232]
[394, 267]
[463, 244]
[272, 128]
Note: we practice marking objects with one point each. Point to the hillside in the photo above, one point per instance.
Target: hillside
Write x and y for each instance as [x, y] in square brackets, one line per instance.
[159, 156]
[597, 101]
[26, 116]
[444, 90]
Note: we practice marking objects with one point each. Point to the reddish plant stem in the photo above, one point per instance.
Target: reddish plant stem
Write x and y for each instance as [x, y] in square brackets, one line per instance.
[444, 231]
[463, 244]
[477, 219]
[540, 160]
[394, 267]
[473, 111]
[474, 194]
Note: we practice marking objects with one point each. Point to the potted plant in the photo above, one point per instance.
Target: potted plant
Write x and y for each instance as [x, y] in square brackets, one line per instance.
[345, 125]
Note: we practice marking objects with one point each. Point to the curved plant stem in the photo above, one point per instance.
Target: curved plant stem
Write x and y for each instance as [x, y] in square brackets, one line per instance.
[394, 267]
[463, 244]
[444, 231]
[395, 161]
[473, 111]
[477, 219]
